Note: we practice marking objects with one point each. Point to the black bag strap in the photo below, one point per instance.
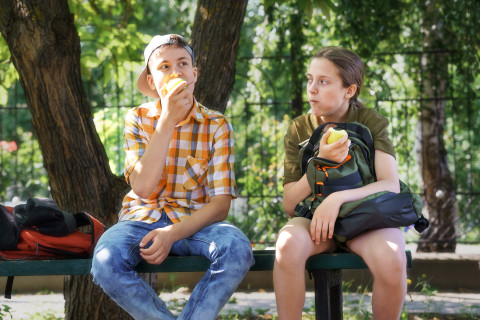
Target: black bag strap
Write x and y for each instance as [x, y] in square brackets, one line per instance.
[360, 132]
[9, 230]
[44, 216]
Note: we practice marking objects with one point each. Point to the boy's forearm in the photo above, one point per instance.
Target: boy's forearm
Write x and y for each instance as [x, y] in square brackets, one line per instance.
[149, 169]
[214, 211]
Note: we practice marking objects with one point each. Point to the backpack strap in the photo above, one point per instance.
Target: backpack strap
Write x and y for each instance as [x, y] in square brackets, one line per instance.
[9, 230]
[96, 227]
[360, 131]
[43, 215]
[303, 211]
[309, 149]
[364, 134]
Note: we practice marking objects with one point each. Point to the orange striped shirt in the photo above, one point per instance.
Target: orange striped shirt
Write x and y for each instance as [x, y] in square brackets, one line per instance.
[199, 164]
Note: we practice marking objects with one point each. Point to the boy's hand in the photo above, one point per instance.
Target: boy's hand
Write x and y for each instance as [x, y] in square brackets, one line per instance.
[161, 243]
[176, 104]
[336, 151]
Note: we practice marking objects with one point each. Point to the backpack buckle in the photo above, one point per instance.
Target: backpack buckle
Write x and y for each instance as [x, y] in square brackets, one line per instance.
[302, 211]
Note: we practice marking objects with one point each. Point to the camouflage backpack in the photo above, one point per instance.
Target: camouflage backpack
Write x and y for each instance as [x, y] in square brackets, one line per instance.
[380, 210]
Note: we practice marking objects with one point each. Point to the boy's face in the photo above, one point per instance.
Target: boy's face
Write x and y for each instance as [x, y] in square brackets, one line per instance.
[170, 62]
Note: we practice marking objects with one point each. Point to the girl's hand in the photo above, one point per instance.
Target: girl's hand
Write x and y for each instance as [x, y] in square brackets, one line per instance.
[336, 151]
[324, 217]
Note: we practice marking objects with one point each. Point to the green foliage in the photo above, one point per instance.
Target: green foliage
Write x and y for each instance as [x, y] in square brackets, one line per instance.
[109, 124]
[371, 27]
[21, 173]
[8, 73]
[44, 316]
[305, 6]
[5, 312]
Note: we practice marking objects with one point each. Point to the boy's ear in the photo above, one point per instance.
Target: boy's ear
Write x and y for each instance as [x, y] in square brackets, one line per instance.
[151, 82]
[351, 91]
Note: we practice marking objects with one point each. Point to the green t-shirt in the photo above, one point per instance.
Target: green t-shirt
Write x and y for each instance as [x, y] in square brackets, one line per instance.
[302, 127]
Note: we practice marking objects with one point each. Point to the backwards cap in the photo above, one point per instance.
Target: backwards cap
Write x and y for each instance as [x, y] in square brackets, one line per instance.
[157, 42]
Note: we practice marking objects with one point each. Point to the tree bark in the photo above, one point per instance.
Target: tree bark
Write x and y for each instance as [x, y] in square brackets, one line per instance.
[215, 36]
[297, 73]
[45, 50]
[439, 192]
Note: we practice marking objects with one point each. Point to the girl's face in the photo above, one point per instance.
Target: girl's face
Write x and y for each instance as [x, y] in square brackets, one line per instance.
[327, 96]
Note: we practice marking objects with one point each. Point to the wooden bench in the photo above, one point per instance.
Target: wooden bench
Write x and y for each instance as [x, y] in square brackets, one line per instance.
[326, 270]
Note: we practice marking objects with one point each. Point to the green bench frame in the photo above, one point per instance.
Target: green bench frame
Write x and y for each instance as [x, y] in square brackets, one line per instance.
[326, 270]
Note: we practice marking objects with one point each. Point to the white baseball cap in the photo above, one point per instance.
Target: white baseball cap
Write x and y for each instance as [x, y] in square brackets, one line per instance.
[157, 42]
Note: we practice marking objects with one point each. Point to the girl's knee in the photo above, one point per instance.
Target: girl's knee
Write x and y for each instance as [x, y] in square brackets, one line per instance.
[293, 246]
[390, 267]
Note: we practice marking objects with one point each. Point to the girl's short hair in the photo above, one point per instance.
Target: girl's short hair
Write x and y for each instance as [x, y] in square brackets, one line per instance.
[349, 65]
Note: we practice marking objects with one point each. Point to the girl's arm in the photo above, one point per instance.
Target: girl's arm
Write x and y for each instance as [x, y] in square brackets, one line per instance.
[387, 179]
[294, 193]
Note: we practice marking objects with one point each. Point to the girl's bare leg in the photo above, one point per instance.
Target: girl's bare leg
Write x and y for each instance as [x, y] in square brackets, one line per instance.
[294, 246]
[383, 250]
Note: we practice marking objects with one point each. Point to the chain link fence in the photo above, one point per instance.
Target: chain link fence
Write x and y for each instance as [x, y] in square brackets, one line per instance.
[260, 122]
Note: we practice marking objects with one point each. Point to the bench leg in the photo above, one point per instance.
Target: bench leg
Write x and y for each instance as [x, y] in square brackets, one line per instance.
[328, 294]
[8, 287]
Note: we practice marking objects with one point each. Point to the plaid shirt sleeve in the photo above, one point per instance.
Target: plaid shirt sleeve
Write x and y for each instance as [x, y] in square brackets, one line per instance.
[135, 141]
[221, 174]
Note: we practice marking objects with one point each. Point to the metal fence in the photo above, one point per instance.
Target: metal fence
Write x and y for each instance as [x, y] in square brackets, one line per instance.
[259, 128]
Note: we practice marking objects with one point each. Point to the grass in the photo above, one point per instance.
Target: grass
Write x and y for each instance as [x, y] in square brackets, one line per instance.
[5, 311]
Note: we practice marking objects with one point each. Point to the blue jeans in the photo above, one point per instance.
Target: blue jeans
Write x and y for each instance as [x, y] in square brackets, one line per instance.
[117, 253]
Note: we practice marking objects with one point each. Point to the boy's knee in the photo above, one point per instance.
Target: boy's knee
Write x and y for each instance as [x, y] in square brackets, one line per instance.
[246, 256]
[106, 263]
[102, 267]
[242, 250]
[236, 251]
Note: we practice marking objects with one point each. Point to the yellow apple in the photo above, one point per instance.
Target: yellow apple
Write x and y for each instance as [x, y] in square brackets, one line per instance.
[174, 83]
[335, 135]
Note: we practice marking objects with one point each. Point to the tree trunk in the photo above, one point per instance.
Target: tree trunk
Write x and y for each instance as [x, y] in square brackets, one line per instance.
[45, 49]
[297, 73]
[439, 191]
[215, 36]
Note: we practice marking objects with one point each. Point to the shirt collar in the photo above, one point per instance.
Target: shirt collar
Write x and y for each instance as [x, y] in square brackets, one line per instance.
[195, 114]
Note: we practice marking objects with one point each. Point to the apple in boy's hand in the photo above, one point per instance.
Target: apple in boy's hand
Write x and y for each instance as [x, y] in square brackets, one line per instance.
[174, 83]
[335, 135]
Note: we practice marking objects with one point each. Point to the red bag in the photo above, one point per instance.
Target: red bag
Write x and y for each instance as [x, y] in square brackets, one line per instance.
[34, 245]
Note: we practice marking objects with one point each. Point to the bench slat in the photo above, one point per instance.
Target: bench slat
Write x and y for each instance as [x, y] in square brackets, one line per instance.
[343, 261]
[264, 260]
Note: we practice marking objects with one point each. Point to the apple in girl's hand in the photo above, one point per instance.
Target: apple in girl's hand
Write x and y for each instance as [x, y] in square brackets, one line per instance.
[335, 135]
[174, 83]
